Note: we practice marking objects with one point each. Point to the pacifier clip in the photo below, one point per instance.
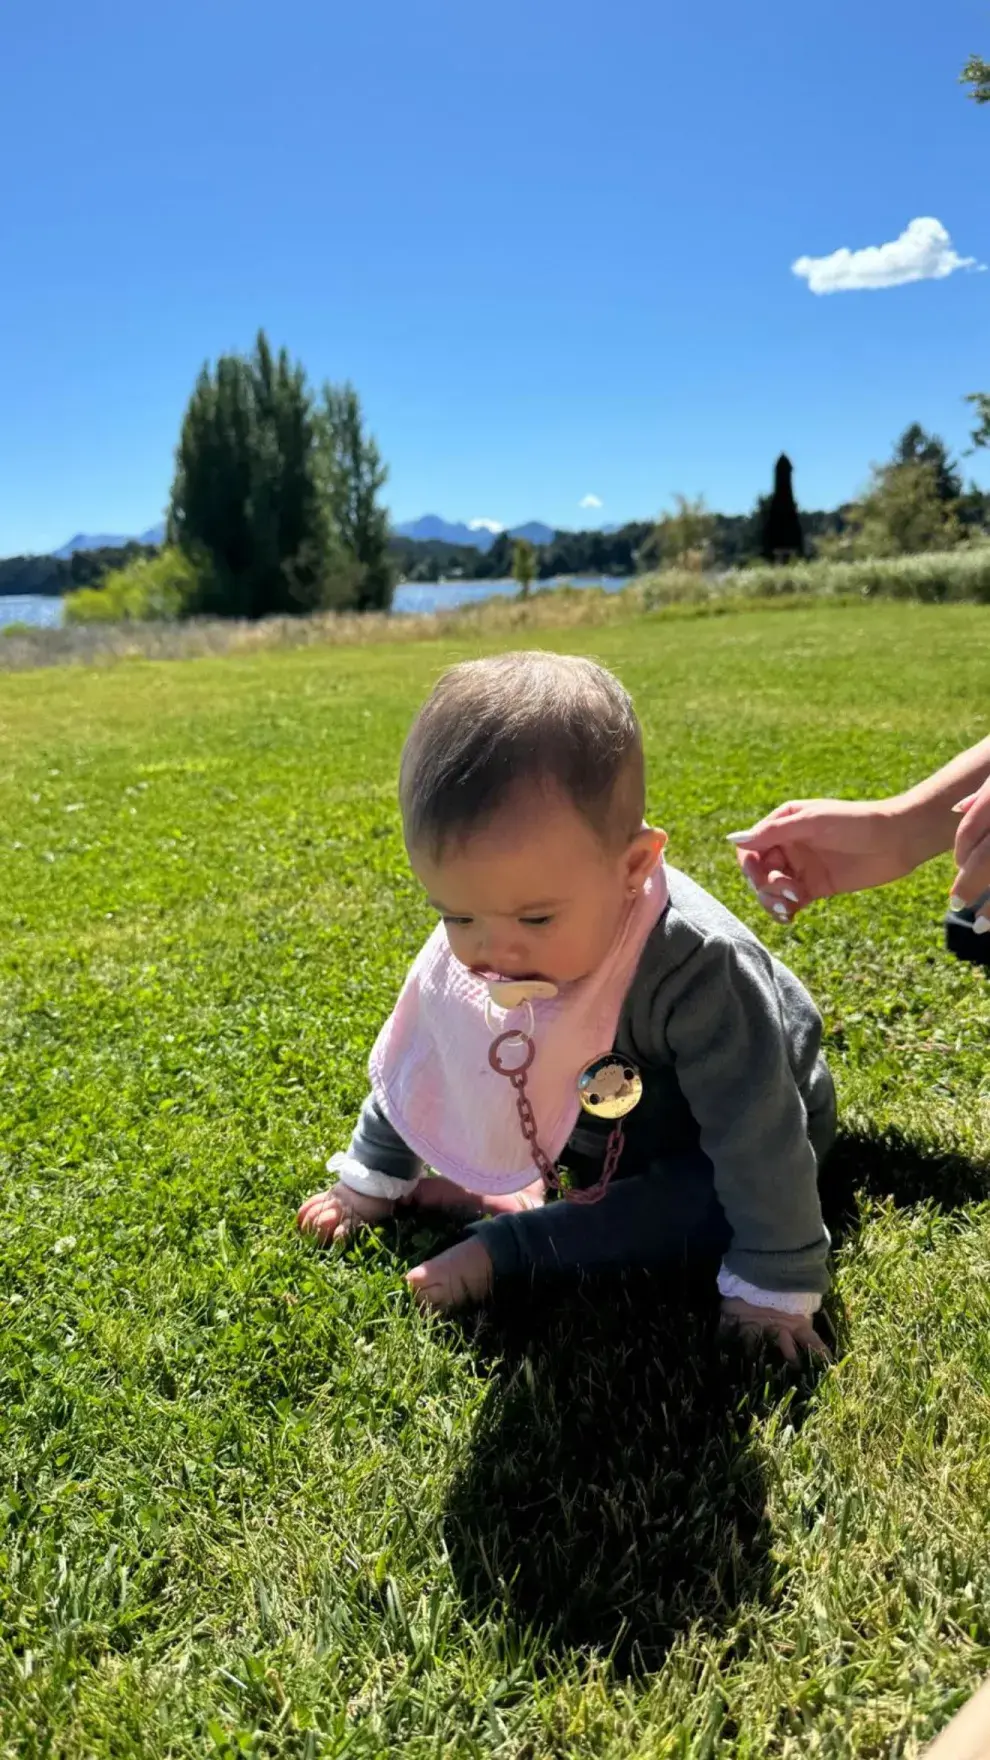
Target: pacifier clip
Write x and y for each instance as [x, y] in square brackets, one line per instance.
[608, 1087]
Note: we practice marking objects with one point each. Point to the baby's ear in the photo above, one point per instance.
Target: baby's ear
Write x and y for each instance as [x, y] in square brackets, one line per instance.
[643, 854]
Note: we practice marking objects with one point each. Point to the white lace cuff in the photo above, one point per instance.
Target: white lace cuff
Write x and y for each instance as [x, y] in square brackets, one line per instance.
[785, 1301]
[368, 1180]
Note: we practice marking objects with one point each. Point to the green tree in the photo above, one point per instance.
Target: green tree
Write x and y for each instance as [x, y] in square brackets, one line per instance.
[523, 565]
[352, 476]
[980, 400]
[916, 446]
[247, 505]
[682, 538]
[903, 513]
[976, 74]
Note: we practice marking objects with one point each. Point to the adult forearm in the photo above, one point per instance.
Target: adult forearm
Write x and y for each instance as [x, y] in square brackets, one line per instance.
[923, 814]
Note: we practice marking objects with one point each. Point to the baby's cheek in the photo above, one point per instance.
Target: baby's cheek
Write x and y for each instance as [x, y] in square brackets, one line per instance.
[461, 945]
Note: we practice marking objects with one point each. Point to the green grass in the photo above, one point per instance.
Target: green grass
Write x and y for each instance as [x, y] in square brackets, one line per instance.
[254, 1504]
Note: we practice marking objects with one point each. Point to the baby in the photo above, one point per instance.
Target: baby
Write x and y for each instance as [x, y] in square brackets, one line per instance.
[581, 1004]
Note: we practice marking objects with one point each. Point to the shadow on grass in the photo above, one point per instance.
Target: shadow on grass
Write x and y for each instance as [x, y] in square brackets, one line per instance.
[908, 1170]
[613, 1495]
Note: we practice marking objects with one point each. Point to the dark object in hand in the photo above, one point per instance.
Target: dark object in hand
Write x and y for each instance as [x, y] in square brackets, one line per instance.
[962, 939]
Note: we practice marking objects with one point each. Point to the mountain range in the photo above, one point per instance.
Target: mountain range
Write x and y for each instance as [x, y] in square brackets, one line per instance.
[480, 535]
[107, 541]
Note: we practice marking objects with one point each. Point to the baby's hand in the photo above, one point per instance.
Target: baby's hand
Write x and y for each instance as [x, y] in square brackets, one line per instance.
[333, 1214]
[461, 1275]
[792, 1333]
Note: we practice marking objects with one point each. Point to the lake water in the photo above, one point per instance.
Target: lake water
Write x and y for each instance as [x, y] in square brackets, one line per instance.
[444, 595]
[43, 612]
[409, 599]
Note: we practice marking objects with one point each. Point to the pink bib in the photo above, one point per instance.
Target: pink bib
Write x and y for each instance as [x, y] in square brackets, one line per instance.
[430, 1072]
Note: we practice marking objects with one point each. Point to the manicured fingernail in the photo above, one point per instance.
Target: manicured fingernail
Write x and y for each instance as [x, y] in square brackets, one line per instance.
[982, 926]
[956, 903]
[738, 836]
[788, 892]
[781, 911]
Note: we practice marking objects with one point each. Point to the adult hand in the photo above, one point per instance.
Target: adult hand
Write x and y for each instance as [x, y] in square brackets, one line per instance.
[806, 850]
[972, 852]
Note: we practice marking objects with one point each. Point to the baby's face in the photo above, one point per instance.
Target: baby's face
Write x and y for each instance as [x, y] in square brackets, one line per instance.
[536, 894]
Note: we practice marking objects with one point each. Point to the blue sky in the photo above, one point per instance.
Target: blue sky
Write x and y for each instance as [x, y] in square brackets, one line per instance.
[551, 244]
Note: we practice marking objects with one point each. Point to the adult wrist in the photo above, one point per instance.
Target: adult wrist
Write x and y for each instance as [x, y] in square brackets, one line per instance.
[914, 829]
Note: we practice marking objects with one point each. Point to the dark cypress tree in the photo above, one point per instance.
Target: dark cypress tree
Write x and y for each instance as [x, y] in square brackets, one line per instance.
[781, 537]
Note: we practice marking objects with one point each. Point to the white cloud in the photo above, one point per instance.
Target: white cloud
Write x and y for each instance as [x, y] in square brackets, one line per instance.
[922, 253]
[591, 501]
[485, 525]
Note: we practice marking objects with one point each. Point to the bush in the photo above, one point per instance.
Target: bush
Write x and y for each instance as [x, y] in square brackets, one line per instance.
[150, 589]
[933, 578]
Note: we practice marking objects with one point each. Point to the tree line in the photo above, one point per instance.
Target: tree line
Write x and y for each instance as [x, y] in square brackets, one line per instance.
[53, 575]
[914, 502]
[218, 562]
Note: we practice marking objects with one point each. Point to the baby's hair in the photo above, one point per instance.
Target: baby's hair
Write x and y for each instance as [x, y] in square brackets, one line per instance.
[549, 722]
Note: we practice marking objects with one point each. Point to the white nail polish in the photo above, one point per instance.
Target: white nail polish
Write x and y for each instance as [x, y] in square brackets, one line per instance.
[781, 911]
[738, 836]
[789, 892]
[982, 926]
[956, 903]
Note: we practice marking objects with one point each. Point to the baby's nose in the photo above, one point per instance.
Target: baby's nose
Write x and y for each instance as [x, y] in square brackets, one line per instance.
[500, 953]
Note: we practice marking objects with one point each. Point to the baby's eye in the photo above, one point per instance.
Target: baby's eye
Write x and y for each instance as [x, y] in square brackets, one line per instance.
[458, 922]
[535, 922]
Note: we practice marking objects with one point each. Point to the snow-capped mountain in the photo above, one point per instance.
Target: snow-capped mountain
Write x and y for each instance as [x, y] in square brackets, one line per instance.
[480, 534]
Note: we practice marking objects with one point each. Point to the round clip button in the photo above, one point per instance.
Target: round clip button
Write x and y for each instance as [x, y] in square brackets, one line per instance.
[610, 1087]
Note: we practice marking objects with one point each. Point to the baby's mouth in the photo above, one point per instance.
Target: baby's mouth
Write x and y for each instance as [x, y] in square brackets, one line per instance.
[492, 977]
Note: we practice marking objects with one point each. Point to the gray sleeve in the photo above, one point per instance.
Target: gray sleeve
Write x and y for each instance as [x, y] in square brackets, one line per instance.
[721, 1018]
[376, 1146]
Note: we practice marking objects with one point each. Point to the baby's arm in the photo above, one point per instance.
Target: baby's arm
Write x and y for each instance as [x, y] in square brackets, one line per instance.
[377, 1171]
[725, 1032]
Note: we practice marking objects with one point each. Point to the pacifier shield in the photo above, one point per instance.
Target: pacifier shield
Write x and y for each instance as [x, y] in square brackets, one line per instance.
[610, 1087]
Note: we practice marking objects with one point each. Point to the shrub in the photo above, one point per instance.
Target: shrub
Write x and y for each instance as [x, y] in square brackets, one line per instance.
[148, 590]
[933, 578]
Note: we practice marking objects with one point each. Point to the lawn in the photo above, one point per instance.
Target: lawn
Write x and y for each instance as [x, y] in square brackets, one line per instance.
[253, 1503]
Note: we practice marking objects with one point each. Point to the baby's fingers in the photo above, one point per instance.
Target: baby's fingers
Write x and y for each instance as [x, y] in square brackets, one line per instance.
[812, 1341]
[325, 1216]
[786, 1344]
